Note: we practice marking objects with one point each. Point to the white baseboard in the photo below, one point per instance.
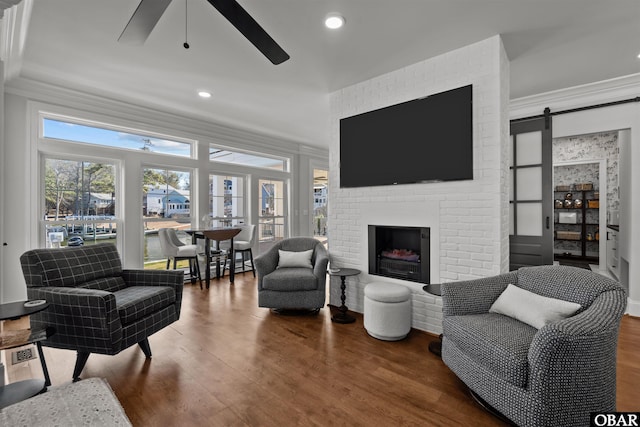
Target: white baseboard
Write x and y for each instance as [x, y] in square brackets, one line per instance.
[633, 307]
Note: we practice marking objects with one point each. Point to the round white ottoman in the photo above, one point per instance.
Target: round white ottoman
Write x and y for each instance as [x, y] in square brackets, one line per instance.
[387, 311]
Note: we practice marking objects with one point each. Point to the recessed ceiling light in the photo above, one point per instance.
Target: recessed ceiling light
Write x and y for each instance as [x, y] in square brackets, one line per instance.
[334, 21]
[204, 94]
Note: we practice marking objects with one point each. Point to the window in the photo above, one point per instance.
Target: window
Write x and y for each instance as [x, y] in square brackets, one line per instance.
[95, 171]
[166, 203]
[320, 193]
[226, 200]
[272, 219]
[248, 159]
[79, 202]
[69, 131]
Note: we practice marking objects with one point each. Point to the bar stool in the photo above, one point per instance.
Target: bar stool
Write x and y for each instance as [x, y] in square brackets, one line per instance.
[173, 248]
[243, 244]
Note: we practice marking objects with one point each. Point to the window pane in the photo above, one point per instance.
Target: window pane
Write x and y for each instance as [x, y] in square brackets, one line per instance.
[67, 131]
[82, 190]
[247, 159]
[529, 219]
[153, 256]
[271, 224]
[166, 194]
[529, 148]
[166, 204]
[79, 200]
[320, 198]
[529, 185]
[226, 200]
[271, 198]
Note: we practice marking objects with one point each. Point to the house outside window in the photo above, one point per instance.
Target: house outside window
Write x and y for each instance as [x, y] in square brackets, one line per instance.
[166, 203]
[156, 171]
[79, 202]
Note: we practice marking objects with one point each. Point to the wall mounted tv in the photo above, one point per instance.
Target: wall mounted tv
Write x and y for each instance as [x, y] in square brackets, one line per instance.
[423, 140]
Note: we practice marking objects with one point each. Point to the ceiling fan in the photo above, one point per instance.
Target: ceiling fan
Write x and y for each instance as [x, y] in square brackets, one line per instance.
[148, 13]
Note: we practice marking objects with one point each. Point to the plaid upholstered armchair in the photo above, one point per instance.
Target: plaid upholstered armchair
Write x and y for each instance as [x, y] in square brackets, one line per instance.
[538, 344]
[95, 305]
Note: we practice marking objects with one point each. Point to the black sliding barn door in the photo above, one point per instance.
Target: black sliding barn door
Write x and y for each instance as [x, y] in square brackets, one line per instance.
[531, 199]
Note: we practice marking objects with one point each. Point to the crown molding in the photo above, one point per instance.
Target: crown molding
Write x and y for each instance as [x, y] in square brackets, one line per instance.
[102, 104]
[6, 4]
[14, 23]
[611, 90]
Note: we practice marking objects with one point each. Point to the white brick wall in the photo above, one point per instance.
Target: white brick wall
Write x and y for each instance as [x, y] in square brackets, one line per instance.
[468, 219]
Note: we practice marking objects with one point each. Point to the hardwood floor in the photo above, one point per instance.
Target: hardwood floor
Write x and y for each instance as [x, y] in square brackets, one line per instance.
[228, 362]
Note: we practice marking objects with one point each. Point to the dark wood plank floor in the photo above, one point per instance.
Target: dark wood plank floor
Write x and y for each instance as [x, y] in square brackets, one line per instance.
[228, 362]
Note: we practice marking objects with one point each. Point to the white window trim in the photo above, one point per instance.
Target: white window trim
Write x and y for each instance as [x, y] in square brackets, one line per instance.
[40, 238]
[99, 124]
[132, 162]
[285, 159]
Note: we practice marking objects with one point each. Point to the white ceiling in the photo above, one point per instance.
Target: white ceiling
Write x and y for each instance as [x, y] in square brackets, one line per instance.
[551, 44]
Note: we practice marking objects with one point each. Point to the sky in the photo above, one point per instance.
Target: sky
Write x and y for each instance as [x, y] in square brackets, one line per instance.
[57, 129]
[112, 138]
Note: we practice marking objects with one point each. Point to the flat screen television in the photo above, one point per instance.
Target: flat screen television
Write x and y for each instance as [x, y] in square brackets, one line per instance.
[428, 139]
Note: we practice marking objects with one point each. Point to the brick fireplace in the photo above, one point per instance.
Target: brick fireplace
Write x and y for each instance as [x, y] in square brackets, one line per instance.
[399, 252]
[468, 221]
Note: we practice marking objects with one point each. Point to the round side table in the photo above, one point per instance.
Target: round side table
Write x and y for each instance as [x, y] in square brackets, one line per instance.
[342, 316]
[435, 347]
[20, 390]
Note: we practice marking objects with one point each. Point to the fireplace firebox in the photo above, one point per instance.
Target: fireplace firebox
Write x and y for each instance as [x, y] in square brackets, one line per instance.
[399, 252]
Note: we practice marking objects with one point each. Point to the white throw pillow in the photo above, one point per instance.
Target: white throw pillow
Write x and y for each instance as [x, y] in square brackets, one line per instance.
[295, 259]
[532, 309]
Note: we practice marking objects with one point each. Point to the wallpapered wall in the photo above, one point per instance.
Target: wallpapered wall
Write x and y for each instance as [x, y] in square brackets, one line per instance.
[580, 148]
[595, 146]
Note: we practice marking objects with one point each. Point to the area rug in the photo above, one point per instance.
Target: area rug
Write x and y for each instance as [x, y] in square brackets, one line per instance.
[89, 402]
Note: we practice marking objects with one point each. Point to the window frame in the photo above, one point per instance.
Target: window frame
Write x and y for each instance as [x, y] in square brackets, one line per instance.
[286, 215]
[43, 223]
[285, 159]
[245, 219]
[116, 128]
[130, 164]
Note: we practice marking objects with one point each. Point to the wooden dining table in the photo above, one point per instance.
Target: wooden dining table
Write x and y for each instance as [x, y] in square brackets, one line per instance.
[217, 234]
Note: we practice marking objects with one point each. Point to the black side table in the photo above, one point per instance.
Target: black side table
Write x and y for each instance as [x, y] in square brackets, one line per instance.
[435, 347]
[20, 390]
[342, 316]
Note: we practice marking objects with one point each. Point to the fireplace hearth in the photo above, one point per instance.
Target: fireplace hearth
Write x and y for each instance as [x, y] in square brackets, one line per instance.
[399, 252]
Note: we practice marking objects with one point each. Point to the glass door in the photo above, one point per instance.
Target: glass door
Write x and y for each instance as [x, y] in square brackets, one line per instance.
[530, 205]
[320, 200]
[226, 201]
[271, 213]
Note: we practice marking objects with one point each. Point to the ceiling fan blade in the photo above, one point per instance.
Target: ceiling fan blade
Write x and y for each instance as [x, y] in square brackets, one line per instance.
[249, 28]
[143, 20]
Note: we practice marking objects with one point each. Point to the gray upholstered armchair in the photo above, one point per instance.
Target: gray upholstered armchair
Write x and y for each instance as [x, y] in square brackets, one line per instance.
[552, 376]
[292, 287]
[95, 305]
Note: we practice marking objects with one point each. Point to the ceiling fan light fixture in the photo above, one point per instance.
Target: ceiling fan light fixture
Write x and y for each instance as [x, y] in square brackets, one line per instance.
[204, 94]
[334, 21]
